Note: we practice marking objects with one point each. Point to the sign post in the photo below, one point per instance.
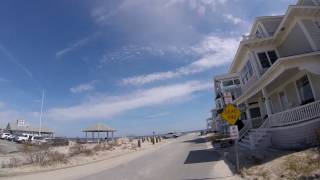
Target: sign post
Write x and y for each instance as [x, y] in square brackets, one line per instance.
[234, 134]
[232, 114]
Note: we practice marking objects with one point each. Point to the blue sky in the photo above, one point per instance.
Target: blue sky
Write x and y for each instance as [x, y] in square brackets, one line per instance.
[136, 65]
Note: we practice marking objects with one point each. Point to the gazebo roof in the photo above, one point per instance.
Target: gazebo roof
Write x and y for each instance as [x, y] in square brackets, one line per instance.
[99, 128]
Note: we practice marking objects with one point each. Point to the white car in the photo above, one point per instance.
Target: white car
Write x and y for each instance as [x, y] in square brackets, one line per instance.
[5, 135]
[38, 140]
[24, 138]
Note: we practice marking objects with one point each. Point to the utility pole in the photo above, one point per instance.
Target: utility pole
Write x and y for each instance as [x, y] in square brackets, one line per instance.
[41, 109]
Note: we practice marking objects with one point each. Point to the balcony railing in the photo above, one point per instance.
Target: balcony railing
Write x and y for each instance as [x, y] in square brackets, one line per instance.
[295, 115]
[251, 37]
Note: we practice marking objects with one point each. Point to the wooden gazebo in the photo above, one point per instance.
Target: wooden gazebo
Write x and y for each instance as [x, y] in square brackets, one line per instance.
[99, 128]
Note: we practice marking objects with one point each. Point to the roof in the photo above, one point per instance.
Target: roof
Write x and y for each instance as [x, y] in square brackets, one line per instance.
[226, 76]
[15, 127]
[278, 36]
[99, 128]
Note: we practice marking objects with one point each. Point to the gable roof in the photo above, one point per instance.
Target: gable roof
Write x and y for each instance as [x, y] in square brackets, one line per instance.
[99, 128]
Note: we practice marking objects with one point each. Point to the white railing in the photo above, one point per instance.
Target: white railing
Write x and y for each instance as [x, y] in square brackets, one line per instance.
[251, 37]
[265, 124]
[295, 115]
[244, 130]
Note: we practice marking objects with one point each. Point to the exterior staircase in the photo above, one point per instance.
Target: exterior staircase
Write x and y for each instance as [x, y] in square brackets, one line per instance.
[255, 138]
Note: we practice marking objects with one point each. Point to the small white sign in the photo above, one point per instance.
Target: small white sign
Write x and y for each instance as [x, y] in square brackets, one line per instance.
[234, 132]
[227, 98]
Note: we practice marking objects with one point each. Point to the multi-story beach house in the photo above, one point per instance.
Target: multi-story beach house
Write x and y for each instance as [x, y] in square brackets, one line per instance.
[227, 89]
[278, 65]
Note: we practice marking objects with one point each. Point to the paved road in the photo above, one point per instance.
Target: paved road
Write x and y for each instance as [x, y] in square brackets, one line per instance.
[186, 159]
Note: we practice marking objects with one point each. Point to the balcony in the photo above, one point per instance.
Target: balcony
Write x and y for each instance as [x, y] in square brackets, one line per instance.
[295, 115]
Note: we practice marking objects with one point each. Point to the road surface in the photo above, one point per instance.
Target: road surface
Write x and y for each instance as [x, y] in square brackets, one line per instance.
[187, 158]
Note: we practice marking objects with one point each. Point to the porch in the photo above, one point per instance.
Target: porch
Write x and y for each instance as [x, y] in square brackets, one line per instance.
[287, 99]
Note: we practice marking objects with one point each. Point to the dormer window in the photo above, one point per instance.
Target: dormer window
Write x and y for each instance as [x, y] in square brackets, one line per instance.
[259, 34]
[267, 58]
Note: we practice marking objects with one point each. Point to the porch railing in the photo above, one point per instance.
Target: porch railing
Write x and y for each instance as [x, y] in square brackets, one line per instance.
[295, 115]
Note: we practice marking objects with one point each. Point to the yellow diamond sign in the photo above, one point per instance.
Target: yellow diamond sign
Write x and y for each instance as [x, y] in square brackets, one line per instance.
[231, 114]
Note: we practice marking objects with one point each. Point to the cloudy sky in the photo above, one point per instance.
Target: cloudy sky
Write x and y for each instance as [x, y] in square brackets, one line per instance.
[136, 65]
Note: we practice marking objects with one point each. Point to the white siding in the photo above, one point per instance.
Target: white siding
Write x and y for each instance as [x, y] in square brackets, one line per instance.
[271, 25]
[314, 31]
[296, 43]
[295, 137]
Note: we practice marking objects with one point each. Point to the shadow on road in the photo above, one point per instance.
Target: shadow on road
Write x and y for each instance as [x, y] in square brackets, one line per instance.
[197, 141]
[202, 156]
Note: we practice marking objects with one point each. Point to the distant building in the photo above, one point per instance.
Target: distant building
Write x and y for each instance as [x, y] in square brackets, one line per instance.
[227, 89]
[278, 64]
[20, 126]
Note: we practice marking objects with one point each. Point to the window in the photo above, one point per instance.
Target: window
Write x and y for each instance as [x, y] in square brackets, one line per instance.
[246, 73]
[255, 112]
[227, 83]
[305, 90]
[237, 81]
[263, 60]
[272, 56]
[267, 58]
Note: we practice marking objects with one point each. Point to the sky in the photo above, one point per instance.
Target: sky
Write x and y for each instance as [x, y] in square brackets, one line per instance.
[136, 65]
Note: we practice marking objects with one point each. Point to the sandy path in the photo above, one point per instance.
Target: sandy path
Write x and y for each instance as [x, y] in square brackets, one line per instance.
[88, 169]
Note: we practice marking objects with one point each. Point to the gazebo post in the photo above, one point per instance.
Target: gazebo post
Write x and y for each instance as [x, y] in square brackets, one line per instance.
[86, 136]
[92, 136]
[112, 135]
[107, 135]
[98, 137]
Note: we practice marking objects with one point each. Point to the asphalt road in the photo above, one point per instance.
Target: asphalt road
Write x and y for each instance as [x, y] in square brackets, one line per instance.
[187, 158]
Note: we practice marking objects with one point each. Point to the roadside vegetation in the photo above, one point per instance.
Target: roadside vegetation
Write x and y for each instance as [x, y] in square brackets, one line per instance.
[49, 157]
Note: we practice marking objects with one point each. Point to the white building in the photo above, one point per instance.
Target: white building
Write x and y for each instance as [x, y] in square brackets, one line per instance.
[279, 68]
[227, 89]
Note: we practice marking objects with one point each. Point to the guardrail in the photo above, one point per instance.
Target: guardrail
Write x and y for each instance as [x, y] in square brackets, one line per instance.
[295, 115]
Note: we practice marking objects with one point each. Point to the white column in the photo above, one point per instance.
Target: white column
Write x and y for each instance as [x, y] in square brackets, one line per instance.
[267, 101]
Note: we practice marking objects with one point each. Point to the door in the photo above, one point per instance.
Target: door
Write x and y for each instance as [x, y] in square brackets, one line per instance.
[283, 101]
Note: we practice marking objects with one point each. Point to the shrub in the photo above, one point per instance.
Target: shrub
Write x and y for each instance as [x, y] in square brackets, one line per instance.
[302, 165]
[79, 149]
[56, 157]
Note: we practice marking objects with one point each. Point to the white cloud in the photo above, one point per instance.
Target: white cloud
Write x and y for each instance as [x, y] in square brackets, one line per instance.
[76, 45]
[84, 87]
[106, 107]
[215, 52]
[235, 20]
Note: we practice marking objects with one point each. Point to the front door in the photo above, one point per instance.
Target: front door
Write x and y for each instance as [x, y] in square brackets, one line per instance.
[283, 101]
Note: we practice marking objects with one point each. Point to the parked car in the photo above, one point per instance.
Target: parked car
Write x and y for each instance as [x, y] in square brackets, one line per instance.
[38, 140]
[171, 135]
[11, 137]
[24, 138]
[4, 135]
